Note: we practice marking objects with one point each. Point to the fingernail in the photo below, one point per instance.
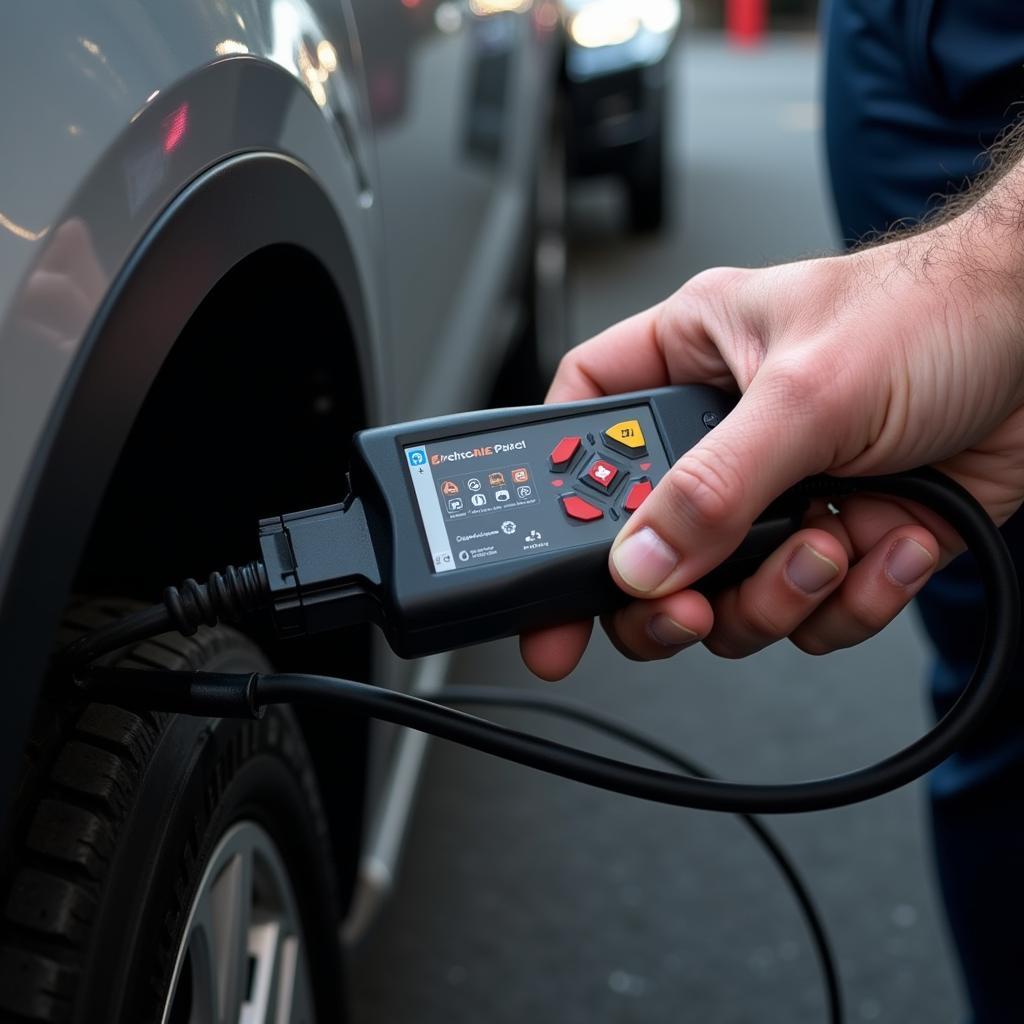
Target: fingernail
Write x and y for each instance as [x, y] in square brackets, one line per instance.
[667, 632]
[643, 559]
[907, 562]
[809, 570]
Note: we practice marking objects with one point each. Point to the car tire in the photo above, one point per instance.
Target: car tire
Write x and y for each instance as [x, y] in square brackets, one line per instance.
[645, 183]
[167, 868]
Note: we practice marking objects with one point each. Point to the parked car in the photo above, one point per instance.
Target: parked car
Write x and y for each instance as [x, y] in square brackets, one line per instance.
[618, 92]
[232, 232]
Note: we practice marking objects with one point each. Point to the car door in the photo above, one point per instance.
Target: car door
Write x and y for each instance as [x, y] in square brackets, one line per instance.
[452, 89]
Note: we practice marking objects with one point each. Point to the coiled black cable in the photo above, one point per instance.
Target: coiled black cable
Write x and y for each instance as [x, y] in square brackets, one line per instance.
[227, 596]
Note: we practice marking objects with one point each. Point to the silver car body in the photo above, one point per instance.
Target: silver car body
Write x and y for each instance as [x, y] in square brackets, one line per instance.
[393, 138]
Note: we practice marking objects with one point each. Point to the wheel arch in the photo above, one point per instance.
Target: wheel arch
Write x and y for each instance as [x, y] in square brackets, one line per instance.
[244, 206]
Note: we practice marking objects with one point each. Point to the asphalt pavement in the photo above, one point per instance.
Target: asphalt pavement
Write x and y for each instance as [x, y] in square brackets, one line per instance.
[525, 898]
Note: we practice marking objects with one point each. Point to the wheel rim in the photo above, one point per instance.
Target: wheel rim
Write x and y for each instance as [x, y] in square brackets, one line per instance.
[242, 958]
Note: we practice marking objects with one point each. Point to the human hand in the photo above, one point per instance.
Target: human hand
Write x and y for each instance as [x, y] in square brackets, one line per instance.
[907, 354]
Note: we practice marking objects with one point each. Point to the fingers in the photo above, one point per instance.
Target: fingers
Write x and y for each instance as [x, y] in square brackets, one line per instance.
[625, 357]
[865, 519]
[791, 584]
[874, 592]
[553, 653]
[689, 338]
[703, 507]
[768, 606]
[650, 630]
[644, 630]
[804, 590]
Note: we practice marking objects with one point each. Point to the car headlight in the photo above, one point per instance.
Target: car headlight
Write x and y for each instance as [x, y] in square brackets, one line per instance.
[604, 23]
[613, 22]
[658, 15]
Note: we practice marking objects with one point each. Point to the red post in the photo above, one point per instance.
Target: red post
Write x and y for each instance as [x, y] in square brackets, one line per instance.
[745, 21]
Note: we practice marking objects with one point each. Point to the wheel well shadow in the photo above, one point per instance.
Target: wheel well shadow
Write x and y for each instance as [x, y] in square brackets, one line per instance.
[250, 415]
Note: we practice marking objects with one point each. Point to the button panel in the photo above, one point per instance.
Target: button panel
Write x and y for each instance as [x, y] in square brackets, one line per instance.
[637, 495]
[580, 509]
[564, 452]
[602, 475]
[626, 438]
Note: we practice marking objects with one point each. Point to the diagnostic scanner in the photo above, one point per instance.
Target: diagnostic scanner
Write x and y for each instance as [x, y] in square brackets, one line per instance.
[480, 525]
[472, 527]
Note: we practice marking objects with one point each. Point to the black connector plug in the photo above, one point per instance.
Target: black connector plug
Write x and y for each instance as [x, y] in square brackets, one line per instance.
[320, 568]
[318, 572]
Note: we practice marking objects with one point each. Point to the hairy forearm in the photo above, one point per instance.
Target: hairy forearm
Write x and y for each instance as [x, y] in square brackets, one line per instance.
[992, 220]
[998, 192]
[978, 233]
[963, 264]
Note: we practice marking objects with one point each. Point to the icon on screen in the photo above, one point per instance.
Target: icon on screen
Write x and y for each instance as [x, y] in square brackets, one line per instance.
[479, 499]
[417, 457]
[449, 487]
[473, 484]
[525, 491]
[463, 556]
[455, 505]
[508, 527]
[502, 495]
[533, 536]
[496, 479]
[520, 476]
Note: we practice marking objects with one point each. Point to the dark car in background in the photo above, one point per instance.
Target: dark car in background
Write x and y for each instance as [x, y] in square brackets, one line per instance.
[617, 86]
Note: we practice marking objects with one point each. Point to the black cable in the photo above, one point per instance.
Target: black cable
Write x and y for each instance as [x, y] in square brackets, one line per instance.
[507, 697]
[995, 663]
[246, 694]
[230, 596]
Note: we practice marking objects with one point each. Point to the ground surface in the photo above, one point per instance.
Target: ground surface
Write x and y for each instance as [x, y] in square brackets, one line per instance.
[523, 898]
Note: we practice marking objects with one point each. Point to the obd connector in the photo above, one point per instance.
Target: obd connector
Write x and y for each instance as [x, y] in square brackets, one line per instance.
[321, 569]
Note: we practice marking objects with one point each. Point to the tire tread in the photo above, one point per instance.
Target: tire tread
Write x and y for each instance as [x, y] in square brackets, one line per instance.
[82, 767]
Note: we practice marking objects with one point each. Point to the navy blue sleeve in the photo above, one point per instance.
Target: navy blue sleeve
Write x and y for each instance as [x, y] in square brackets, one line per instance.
[915, 91]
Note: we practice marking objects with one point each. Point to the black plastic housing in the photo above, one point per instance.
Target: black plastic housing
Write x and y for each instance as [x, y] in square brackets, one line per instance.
[368, 558]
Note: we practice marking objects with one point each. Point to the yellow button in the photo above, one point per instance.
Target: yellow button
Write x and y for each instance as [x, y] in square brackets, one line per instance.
[627, 433]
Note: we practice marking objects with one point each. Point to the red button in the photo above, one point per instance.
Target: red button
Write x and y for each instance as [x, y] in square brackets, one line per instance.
[577, 508]
[603, 473]
[563, 453]
[637, 493]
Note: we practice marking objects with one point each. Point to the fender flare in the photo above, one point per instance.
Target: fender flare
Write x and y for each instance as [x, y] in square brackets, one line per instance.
[231, 211]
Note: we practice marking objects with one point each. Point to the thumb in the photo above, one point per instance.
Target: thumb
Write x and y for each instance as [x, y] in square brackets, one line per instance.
[703, 507]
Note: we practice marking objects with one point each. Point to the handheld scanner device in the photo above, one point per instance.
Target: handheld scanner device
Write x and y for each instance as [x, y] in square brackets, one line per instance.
[472, 527]
[476, 526]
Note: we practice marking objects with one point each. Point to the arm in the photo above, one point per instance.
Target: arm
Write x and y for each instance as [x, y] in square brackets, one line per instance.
[907, 353]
